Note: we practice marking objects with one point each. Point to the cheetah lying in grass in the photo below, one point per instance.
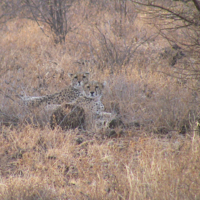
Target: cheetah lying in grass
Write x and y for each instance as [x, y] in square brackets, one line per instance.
[91, 100]
[72, 105]
[69, 94]
[92, 105]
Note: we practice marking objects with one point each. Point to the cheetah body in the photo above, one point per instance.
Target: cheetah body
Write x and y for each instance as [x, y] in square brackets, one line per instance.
[92, 105]
[90, 102]
[68, 94]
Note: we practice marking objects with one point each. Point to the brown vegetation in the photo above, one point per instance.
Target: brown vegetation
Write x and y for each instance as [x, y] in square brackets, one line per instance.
[68, 117]
[152, 85]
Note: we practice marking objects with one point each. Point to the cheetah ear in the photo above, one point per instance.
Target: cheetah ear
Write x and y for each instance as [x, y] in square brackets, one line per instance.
[70, 75]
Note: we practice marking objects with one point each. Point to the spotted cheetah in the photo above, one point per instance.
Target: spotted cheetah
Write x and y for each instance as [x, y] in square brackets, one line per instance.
[68, 94]
[90, 101]
[92, 105]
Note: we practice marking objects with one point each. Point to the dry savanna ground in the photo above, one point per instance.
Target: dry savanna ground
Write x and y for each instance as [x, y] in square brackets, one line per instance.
[155, 155]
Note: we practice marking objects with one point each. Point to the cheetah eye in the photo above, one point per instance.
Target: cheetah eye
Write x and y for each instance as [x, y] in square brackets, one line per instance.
[84, 76]
[88, 87]
[75, 77]
[97, 87]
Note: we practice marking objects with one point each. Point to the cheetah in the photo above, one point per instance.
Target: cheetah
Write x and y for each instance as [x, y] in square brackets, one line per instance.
[92, 105]
[68, 94]
[90, 101]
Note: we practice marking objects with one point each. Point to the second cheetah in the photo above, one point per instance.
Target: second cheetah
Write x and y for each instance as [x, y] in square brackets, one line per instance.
[68, 94]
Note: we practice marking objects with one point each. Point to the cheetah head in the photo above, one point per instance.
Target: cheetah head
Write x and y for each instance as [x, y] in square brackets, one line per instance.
[79, 79]
[94, 89]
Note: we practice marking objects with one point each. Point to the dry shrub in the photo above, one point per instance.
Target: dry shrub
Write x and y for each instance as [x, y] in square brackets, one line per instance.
[32, 65]
[157, 103]
[153, 101]
[68, 117]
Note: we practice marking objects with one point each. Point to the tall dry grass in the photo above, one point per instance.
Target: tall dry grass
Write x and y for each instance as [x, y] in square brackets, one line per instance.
[157, 156]
[45, 164]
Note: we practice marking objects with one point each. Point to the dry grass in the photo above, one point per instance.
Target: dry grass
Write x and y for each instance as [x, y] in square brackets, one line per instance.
[47, 164]
[151, 160]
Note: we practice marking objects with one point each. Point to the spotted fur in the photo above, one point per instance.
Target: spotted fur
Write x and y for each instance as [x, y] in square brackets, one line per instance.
[68, 94]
